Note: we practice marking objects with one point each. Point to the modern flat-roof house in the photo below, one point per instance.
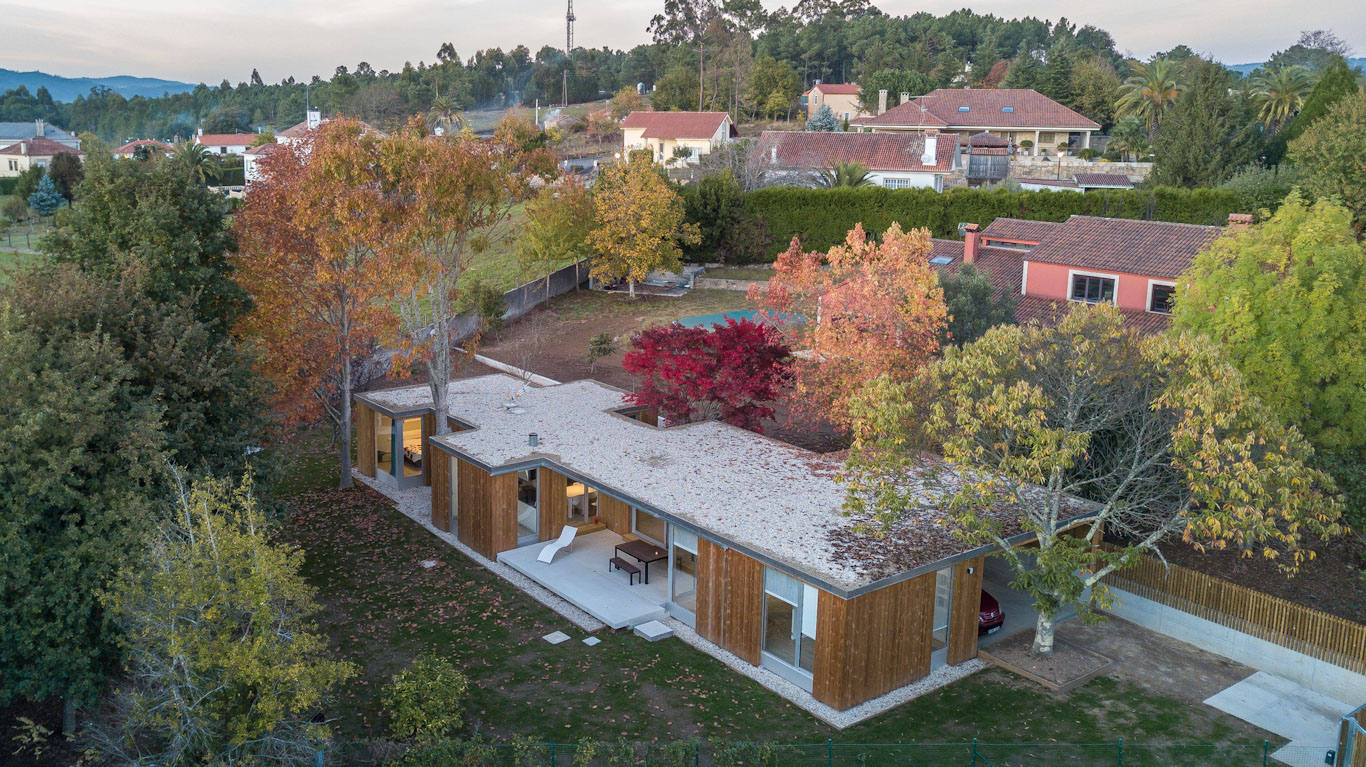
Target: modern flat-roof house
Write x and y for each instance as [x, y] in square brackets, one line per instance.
[842, 98]
[1131, 264]
[1016, 115]
[664, 132]
[738, 535]
[12, 133]
[32, 152]
[894, 160]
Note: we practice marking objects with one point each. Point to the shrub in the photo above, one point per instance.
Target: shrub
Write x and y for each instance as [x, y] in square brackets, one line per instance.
[426, 699]
[599, 346]
[1088, 153]
[489, 304]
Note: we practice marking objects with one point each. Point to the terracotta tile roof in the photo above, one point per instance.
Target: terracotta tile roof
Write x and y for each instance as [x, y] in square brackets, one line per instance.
[131, 146]
[1049, 182]
[877, 151]
[833, 89]
[299, 130]
[676, 124]
[1019, 230]
[258, 151]
[1151, 248]
[226, 139]
[984, 108]
[1116, 180]
[1040, 310]
[987, 139]
[40, 147]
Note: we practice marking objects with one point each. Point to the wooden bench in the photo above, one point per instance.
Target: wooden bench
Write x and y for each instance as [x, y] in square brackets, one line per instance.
[631, 570]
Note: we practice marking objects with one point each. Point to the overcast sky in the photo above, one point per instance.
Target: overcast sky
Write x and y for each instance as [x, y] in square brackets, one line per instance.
[210, 40]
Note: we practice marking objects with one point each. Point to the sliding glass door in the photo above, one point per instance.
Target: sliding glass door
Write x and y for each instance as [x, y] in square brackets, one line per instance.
[683, 575]
[789, 642]
[528, 507]
[943, 602]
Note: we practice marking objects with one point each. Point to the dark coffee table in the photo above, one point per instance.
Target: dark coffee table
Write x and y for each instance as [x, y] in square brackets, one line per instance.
[643, 552]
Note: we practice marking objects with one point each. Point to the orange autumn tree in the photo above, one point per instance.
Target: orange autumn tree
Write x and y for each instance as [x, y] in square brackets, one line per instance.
[315, 253]
[864, 309]
[458, 193]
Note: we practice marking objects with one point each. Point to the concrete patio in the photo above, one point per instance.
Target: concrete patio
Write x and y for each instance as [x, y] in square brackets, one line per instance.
[581, 577]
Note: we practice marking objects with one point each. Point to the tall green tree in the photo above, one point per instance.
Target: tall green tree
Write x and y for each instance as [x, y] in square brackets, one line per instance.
[1210, 132]
[79, 454]
[1330, 152]
[823, 120]
[1088, 427]
[66, 173]
[1285, 299]
[1150, 90]
[895, 82]
[226, 665]
[45, 199]
[973, 304]
[1337, 82]
[1279, 93]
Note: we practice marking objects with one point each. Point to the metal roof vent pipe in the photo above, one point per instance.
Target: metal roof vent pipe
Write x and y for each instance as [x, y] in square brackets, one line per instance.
[533, 439]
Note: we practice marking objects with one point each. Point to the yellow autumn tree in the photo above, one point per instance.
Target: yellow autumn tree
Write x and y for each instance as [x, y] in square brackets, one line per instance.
[638, 222]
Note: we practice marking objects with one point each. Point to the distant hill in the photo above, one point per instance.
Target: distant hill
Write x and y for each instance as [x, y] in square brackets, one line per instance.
[1246, 69]
[68, 88]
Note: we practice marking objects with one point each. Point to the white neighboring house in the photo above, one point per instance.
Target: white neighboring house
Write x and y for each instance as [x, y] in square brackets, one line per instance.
[663, 132]
[313, 119]
[225, 143]
[12, 133]
[894, 160]
[32, 152]
[1048, 185]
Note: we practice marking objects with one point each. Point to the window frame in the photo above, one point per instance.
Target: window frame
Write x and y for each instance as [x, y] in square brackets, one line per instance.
[1148, 305]
[1073, 274]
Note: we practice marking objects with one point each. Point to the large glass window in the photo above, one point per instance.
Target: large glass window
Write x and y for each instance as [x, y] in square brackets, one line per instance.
[528, 507]
[648, 526]
[582, 503]
[384, 444]
[1093, 290]
[412, 447]
[1161, 302]
[943, 594]
[684, 554]
[790, 609]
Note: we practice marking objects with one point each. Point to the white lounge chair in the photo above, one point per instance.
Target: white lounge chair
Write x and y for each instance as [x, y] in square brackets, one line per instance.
[565, 541]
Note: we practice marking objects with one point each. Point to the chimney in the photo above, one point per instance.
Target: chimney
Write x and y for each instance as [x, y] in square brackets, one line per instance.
[882, 101]
[314, 118]
[931, 154]
[533, 439]
[905, 96]
[23, 147]
[971, 235]
[1239, 220]
[199, 132]
[39, 128]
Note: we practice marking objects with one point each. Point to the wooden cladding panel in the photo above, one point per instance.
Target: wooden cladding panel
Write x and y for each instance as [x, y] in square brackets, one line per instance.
[966, 605]
[744, 609]
[487, 519]
[711, 590]
[873, 644]
[428, 454]
[553, 502]
[615, 514]
[439, 466]
[650, 417]
[364, 418]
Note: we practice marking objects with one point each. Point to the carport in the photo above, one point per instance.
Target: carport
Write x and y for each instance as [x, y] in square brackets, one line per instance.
[1018, 606]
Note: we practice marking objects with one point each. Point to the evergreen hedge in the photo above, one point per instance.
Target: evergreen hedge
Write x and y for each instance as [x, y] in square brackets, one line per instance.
[820, 218]
[7, 185]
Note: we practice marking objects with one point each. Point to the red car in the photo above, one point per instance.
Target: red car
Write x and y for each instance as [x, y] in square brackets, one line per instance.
[990, 616]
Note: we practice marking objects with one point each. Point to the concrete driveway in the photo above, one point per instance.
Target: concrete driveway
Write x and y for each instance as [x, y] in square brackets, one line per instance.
[1308, 719]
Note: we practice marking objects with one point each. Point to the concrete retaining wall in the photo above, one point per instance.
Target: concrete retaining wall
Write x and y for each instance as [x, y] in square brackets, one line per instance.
[1312, 673]
[1043, 167]
[713, 283]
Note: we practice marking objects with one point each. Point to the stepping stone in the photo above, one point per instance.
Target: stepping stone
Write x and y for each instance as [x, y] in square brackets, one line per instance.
[428, 563]
[592, 641]
[653, 631]
[556, 637]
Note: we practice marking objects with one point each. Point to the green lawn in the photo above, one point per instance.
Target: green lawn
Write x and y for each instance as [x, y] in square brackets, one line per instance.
[739, 273]
[382, 608]
[648, 311]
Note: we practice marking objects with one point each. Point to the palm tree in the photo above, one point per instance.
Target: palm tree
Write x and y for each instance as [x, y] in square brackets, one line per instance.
[196, 158]
[1279, 94]
[445, 117]
[844, 174]
[1150, 91]
[1129, 136]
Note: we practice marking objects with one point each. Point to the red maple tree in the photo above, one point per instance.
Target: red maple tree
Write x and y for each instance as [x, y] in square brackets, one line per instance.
[733, 372]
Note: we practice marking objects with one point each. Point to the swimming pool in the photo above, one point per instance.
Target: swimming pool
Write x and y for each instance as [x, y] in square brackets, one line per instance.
[719, 318]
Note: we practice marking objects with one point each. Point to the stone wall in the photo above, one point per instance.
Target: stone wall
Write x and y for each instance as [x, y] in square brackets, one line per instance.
[1042, 167]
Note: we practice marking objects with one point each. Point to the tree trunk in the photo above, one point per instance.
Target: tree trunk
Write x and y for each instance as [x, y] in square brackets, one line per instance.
[701, 67]
[344, 425]
[68, 717]
[1044, 629]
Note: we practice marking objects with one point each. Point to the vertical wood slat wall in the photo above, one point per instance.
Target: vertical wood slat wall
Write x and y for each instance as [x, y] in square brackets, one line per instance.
[428, 454]
[873, 644]
[743, 611]
[552, 501]
[487, 521]
[438, 464]
[615, 514]
[965, 608]
[711, 590]
[364, 418]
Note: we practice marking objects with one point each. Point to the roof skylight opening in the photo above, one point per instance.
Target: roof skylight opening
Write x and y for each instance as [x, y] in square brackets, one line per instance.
[963, 109]
[1007, 109]
[942, 260]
